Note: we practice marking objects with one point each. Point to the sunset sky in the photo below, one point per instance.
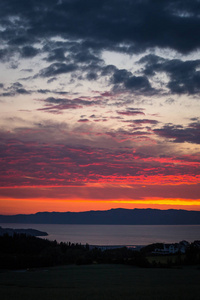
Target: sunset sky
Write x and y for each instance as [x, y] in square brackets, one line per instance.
[100, 105]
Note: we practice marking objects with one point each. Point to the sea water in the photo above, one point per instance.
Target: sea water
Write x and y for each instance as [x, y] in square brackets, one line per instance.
[127, 235]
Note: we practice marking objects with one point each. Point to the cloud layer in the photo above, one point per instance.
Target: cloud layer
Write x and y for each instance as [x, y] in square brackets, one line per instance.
[100, 98]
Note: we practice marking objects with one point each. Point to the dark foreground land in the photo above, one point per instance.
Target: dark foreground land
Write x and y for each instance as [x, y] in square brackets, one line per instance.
[38, 269]
[97, 282]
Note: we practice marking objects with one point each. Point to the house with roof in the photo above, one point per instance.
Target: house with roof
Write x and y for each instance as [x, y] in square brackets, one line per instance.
[197, 244]
[173, 248]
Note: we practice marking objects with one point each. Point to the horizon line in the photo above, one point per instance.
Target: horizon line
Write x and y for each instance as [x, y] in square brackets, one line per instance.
[100, 210]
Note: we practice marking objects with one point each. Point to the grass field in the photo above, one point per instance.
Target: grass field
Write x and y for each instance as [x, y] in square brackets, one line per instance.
[98, 282]
[165, 259]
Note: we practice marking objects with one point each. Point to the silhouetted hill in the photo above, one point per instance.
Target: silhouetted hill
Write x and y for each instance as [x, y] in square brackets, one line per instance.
[114, 216]
[32, 232]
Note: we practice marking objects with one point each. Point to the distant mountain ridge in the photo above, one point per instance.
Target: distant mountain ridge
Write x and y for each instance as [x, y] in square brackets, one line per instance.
[119, 216]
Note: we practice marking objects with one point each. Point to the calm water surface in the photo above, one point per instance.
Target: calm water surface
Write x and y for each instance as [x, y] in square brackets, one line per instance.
[115, 234]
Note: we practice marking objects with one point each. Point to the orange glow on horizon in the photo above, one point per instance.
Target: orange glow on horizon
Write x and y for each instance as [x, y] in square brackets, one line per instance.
[28, 206]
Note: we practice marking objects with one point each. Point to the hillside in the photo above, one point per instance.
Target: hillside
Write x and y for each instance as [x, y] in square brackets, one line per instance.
[110, 217]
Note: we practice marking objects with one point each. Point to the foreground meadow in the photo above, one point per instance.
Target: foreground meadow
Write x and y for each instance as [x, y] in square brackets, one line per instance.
[97, 282]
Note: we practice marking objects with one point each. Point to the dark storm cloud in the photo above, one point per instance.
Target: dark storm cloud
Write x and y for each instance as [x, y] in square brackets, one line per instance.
[20, 40]
[78, 52]
[129, 25]
[6, 54]
[22, 92]
[141, 24]
[184, 75]
[122, 78]
[85, 56]
[14, 89]
[180, 134]
[138, 83]
[57, 54]
[91, 76]
[57, 69]
[109, 70]
[71, 35]
[28, 52]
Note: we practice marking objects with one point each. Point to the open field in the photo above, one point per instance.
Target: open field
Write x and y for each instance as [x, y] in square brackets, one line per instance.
[165, 259]
[97, 282]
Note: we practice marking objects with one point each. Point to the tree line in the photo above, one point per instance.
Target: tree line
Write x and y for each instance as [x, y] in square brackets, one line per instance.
[22, 251]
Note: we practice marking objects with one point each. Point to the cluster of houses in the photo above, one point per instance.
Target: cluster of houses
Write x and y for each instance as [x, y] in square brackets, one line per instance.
[180, 247]
[172, 248]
